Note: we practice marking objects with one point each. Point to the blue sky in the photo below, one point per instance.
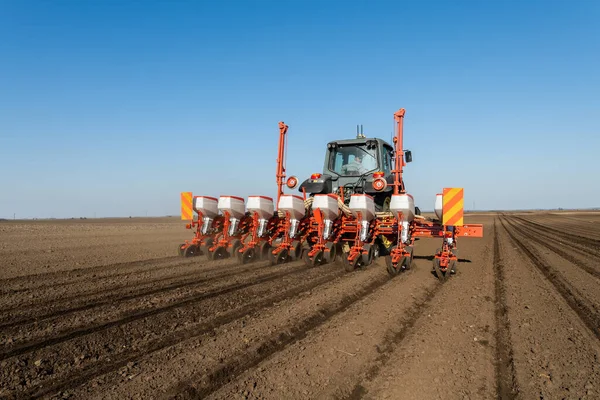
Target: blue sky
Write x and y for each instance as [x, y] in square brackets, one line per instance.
[114, 107]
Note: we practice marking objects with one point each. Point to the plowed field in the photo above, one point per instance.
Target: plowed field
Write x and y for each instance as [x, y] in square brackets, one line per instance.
[106, 309]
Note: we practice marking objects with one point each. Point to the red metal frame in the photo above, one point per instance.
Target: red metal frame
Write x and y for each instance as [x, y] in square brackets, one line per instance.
[283, 128]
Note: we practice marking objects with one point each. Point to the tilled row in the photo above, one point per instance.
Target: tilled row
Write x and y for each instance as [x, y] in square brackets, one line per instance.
[582, 230]
[206, 363]
[585, 258]
[555, 348]
[102, 346]
[46, 306]
[88, 275]
[573, 297]
[585, 242]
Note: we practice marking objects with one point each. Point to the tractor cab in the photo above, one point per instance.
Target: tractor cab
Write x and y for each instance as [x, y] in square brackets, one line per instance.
[351, 166]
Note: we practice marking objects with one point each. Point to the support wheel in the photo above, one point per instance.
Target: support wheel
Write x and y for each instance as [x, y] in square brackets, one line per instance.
[367, 256]
[330, 252]
[220, 253]
[393, 271]
[296, 250]
[279, 258]
[208, 243]
[191, 251]
[264, 251]
[406, 262]
[349, 266]
[236, 244]
[318, 258]
[438, 272]
[247, 256]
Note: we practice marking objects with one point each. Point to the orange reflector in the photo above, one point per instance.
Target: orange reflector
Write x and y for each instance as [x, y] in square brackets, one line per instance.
[378, 174]
[379, 184]
[292, 182]
[188, 226]
[315, 176]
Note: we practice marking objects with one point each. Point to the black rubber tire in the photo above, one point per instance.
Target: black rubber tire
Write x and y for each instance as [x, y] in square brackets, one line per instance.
[208, 243]
[307, 260]
[296, 250]
[407, 261]
[264, 250]
[191, 251]
[279, 258]
[247, 256]
[349, 266]
[318, 258]
[367, 259]
[236, 244]
[438, 271]
[220, 253]
[330, 252]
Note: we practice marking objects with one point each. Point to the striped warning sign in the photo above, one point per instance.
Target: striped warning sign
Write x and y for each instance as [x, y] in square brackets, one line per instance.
[453, 204]
[187, 213]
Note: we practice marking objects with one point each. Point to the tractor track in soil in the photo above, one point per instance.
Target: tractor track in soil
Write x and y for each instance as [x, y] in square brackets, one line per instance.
[506, 379]
[173, 327]
[79, 377]
[272, 345]
[120, 293]
[387, 348]
[571, 296]
[26, 347]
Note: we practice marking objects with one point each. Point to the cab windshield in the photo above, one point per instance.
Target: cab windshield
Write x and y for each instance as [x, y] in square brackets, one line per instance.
[353, 160]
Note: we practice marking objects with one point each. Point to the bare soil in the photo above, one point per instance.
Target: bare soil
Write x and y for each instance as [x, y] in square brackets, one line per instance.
[106, 309]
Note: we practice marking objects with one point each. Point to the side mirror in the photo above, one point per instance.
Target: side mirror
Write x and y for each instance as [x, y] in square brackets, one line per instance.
[408, 156]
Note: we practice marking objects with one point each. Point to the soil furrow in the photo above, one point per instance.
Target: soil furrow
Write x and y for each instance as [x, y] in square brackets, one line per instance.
[506, 381]
[388, 346]
[81, 376]
[587, 316]
[591, 245]
[90, 302]
[547, 244]
[594, 243]
[202, 386]
[32, 346]
[70, 276]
